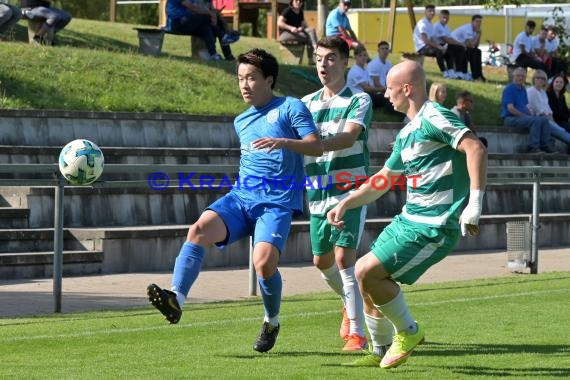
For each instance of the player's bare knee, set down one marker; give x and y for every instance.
(325, 261)
(360, 271)
(196, 234)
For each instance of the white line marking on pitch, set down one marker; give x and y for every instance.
(229, 321)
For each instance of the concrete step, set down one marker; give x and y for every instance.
(58, 127)
(92, 207)
(21, 265)
(11, 217)
(501, 139)
(131, 129)
(227, 156)
(33, 240)
(154, 248)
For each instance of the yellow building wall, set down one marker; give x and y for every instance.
(372, 27)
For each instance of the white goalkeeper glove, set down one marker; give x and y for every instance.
(472, 212)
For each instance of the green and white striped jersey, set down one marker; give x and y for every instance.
(340, 166)
(427, 147)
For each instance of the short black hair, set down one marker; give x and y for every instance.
(463, 94)
(430, 6)
(475, 17)
(444, 12)
(335, 43)
(383, 43)
(263, 61)
(531, 24)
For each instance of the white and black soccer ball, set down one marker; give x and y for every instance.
(81, 162)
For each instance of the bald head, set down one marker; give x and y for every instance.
(411, 72)
(406, 84)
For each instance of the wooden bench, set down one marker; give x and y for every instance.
(34, 25)
(413, 57)
(151, 40)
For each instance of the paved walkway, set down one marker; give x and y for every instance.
(35, 297)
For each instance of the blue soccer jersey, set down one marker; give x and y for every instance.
(276, 176)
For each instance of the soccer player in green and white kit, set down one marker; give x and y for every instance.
(342, 116)
(448, 164)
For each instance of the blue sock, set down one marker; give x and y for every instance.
(271, 293)
(187, 267)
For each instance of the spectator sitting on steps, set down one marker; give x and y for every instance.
(515, 113)
(55, 19)
(9, 16)
(463, 108)
(190, 18)
(293, 27)
(557, 101)
(538, 105)
(438, 93)
(378, 71)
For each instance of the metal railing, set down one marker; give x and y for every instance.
(535, 175)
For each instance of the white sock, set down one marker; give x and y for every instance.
(273, 321)
(180, 298)
(332, 277)
(398, 313)
(381, 332)
(352, 301)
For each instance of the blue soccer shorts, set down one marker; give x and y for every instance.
(267, 222)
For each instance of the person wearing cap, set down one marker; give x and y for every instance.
(338, 25)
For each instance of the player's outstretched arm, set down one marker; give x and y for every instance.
(344, 139)
(477, 168)
(310, 145)
(366, 193)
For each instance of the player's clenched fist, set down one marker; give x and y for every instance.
(334, 217)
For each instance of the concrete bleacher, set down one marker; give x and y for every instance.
(138, 229)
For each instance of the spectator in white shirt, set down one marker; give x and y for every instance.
(559, 65)
(470, 35)
(538, 105)
(522, 49)
(378, 71)
(455, 54)
(539, 49)
(424, 42)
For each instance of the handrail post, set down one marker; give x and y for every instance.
(58, 247)
(252, 274)
(535, 223)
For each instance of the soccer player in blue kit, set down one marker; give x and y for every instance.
(274, 133)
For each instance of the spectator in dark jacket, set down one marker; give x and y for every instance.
(9, 15)
(557, 101)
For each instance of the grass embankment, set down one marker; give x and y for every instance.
(96, 67)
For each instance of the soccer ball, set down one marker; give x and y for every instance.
(81, 162)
